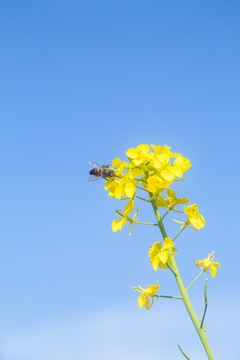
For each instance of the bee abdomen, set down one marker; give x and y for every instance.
(95, 172)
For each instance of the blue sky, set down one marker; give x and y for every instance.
(84, 81)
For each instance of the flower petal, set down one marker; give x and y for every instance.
(143, 300)
(144, 149)
(132, 153)
(129, 207)
(118, 224)
(129, 190)
(168, 243)
(116, 163)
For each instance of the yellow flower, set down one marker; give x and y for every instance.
(121, 187)
(194, 218)
(155, 166)
(173, 200)
(164, 150)
(150, 291)
(159, 161)
(118, 224)
(138, 156)
(156, 185)
(208, 265)
(120, 166)
(135, 173)
(123, 184)
(181, 164)
(159, 254)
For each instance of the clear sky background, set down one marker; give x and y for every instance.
(87, 80)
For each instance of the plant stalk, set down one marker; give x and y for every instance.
(182, 288)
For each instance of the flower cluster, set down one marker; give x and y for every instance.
(153, 169)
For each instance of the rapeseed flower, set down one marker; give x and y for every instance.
(208, 265)
(194, 218)
(156, 185)
(120, 166)
(138, 156)
(124, 184)
(154, 167)
(181, 164)
(172, 200)
(150, 291)
(121, 187)
(159, 254)
(118, 224)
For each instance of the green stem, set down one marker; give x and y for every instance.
(144, 223)
(206, 304)
(171, 269)
(182, 288)
(168, 297)
(204, 328)
(179, 233)
(139, 187)
(166, 213)
(195, 280)
(183, 353)
(139, 197)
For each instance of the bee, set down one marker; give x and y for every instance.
(98, 171)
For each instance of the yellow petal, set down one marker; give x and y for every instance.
(131, 227)
(156, 163)
(171, 194)
(191, 210)
(136, 173)
(118, 224)
(167, 175)
(129, 207)
(199, 262)
(216, 264)
(151, 290)
(163, 256)
(143, 300)
(155, 262)
(132, 153)
(137, 162)
(206, 263)
(162, 202)
(213, 271)
(118, 192)
(198, 221)
(182, 201)
(129, 189)
(168, 243)
(182, 163)
(116, 163)
(144, 149)
(177, 171)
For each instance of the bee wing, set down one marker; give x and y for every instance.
(94, 165)
(93, 178)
